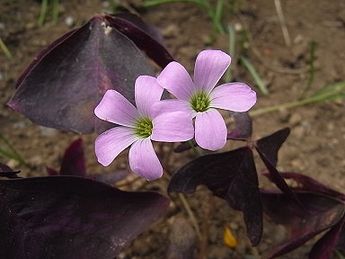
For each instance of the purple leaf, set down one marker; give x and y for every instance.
(62, 86)
(71, 217)
(243, 126)
(268, 148)
(325, 246)
(270, 145)
(275, 176)
(306, 183)
(73, 161)
(51, 171)
(142, 35)
(110, 178)
(6, 171)
(318, 213)
(231, 176)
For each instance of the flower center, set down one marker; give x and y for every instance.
(200, 102)
(143, 127)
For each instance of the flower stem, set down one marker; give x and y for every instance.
(190, 214)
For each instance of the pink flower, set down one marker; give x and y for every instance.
(139, 125)
(200, 97)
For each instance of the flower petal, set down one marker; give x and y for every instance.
(144, 161)
(147, 92)
(112, 142)
(237, 97)
(173, 127)
(210, 66)
(172, 105)
(177, 81)
(115, 108)
(210, 130)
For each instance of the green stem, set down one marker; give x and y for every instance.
(289, 105)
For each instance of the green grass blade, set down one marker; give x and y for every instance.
(232, 51)
(55, 11)
(251, 69)
(218, 15)
(43, 12)
(328, 93)
(311, 67)
(151, 3)
(5, 50)
(11, 153)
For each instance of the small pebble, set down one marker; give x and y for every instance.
(69, 21)
(48, 132)
(170, 31)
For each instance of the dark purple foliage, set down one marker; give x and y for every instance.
(71, 217)
(144, 36)
(6, 171)
(64, 83)
(268, 148)
(325, 246)
(73, 163)
(322, 209)
(231, 176)
(270, 145)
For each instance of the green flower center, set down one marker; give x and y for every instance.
(143, 127)
(200, 102)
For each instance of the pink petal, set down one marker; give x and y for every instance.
(237, 97)
(173, 127)
(210, 130)
(112, 142)
(117, 109)
(177, 81)
(172, 105)
(144, 161)
(147, 92)
(210, 66)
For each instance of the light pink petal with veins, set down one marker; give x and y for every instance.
(210, 130)
(112, 142)
(210, 65)
(115, 108)
(177, 81)
(172, 127)
(144, 161)
(172, 105)
(237, 97)
(147, 92)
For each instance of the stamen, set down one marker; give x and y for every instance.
(200, 102)
(143, 127)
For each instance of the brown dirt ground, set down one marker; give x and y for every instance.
(315, 147)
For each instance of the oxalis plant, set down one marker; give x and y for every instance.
(98, 78)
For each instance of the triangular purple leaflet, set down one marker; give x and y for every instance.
(231, 176)
(317, 214)
(62, 86)
(326, 245)
(71, 217)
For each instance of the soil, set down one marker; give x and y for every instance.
(315, 146)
